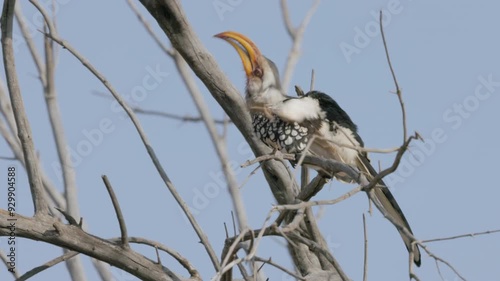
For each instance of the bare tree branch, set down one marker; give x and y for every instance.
(184, 118)
(471, 235)
(6, 111)
(55, 198)
(118, 211)
(66, 256)
(398, 90)
(75, 239)
(6, 261)
(316, 236)
(449, 265)
(365, 262)
(103, 269)
(312, 188)
(37, 59)
(277, 155)
(23, 126)
(167, 50)
(178, 257)
(286, 18)
(296, 34)
(270, 262)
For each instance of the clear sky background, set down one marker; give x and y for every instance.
(444, 53)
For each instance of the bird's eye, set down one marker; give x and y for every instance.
(257, 72)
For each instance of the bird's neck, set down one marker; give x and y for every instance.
(262, 103)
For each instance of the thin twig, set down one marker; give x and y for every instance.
(312, 188)
(398, 90)
(394, 165)
(158, 259)
(244, 272)
(6, 111)
(469, 235)
(432, 255)
(287, 20)
(71, 220)
(319, 202)
(244, 182)
(147, 26)
(228, 257)
(185, 118)
(365, 261)
(270, 262)
(273, 156)
(178, 257)
(185, 208)
(118, 212)
(439, 270)
(66, 256)
(8, 158)
(313, 76)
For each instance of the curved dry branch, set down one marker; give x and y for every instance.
(23, 126)
(178, 257)
(66, 256)
(118, 211)
(75, 239)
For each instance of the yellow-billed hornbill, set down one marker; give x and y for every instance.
(288, 123)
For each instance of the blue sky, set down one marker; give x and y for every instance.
(445, 55)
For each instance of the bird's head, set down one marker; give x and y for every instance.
(263, 86)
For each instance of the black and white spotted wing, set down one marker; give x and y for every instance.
(283, 136)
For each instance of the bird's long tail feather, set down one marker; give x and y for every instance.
(384, 196)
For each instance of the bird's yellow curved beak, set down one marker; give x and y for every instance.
(247, 50)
